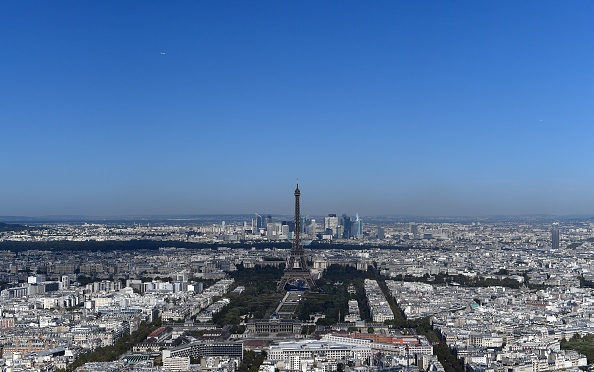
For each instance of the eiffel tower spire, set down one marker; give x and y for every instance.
(297, 275)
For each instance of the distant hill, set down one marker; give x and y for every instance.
(11, 227)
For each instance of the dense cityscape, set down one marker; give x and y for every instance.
(296, 186)
(230, 296)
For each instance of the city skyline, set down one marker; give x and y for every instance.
(404, 108)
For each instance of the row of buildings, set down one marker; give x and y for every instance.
(499, 328)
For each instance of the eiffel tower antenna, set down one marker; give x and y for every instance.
(296, 275)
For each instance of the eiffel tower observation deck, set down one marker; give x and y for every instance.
(297, 276)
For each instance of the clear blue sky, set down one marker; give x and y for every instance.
(382, 107)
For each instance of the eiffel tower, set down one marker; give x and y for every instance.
(297, 275)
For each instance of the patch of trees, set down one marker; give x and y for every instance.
(332, 298)
(11, 227)
(345, 273)
(238, 329)
(586, 283)
(121, 346)
(84, 280)
(463, 280)
(583, 345)
(147, 244)
(130, 245)
(321, 245)
(329, 305)
(258, 300)
(251, 361)
(446, 357)
(308, 329)
(263, 278)
(272, 258)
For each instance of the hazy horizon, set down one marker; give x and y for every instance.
(277, 216)
(396, 108)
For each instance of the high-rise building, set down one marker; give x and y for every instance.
(357, 227)
(339, 231)
(312, 228)
(284, 233)
(257, 223)
(555, 236)
(331, 224)
(273, 230)
(381, 233)
(304, 223)
(346, 223)
(414, 229)
(65, 282)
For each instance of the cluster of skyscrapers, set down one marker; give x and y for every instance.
(344, 227)
(333, 227)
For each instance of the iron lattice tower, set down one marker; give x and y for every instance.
(297, 273)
